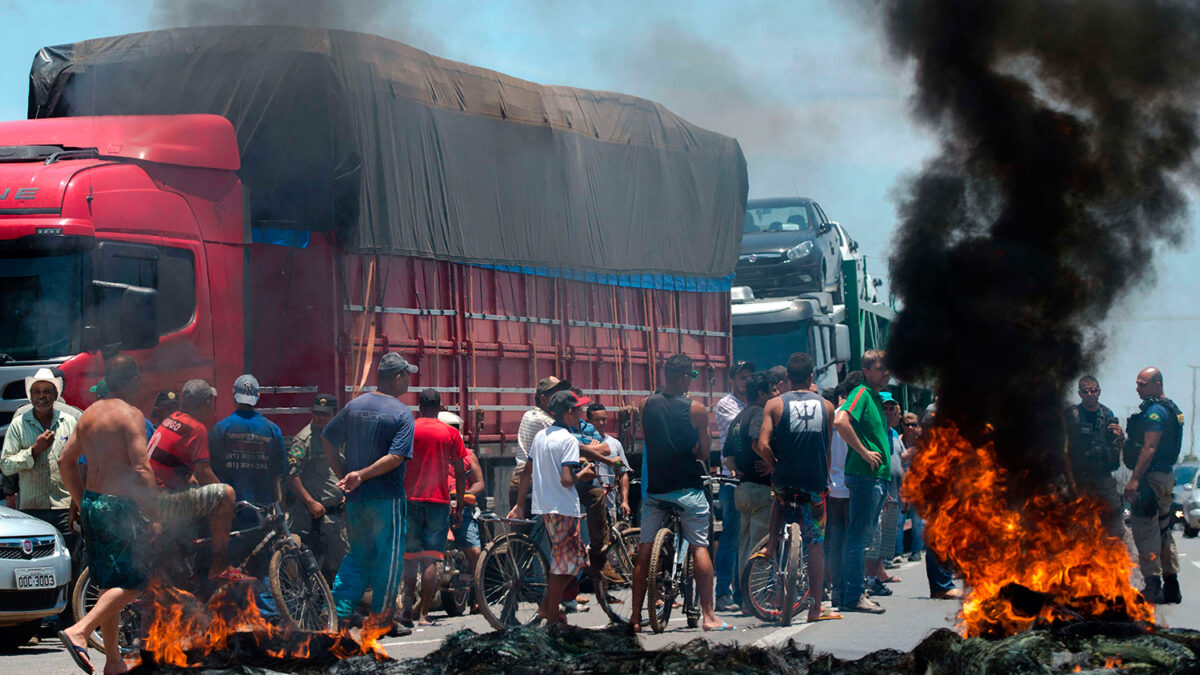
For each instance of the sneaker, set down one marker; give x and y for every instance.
(864, 605)
(879, 588)
(1153, 592)
(915, 557)
(725, 603)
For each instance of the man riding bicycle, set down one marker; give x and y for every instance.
(795, 442)
(178, 453)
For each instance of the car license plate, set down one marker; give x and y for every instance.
(35, 577)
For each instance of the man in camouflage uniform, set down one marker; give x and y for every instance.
(1094, 441)
(317, 511)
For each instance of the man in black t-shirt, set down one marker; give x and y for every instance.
(753, 495)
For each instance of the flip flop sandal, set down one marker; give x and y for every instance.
(827, 614)
(78, 654)
(725, 625)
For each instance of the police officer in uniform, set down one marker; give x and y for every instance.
(1155, 436)
(316, 514)
(1094, 439)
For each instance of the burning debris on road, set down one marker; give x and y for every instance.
(1082, 647)
(1067, 130)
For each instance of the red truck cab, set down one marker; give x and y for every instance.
(105, 221)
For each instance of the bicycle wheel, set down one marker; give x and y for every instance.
(691, 593)
(83, 598)
(759, 588)
(301, 594)
(510, 581)
(660, 586)
(616, 599)
(456, 598)
(790, 572)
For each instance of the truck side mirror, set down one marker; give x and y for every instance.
(824, 228)
(139, 318)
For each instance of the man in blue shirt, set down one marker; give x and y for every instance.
(247, 449)
(377, 431)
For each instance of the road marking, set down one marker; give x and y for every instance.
(780, 636)
(1196, 563)
(399, 642)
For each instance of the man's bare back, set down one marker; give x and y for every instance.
(111, 434)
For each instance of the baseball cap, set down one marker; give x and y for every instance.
(549, 385)
(740, 366)
(446, 417)
(563, 401)
(394, 364)
(429, 398)
(196, 392)
(245, 390)
(886, 397)
(166, 398)
(325, 403)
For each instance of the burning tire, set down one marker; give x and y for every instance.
(301, 593)
(84, 597)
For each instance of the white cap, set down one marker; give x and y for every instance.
(43, 375)
(446, 417)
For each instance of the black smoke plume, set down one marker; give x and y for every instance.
(1068, 131)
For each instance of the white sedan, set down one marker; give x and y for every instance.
(35, 576)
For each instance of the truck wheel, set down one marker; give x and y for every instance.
(14, 637)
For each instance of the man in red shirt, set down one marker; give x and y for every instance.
(178, 454)
(436, 447)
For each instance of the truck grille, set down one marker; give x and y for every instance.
(12, 548)
(31, 601)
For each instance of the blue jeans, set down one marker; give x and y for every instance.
(918, 528)
(377, 533)
(867, 495)
(727, 546)
(940, 580)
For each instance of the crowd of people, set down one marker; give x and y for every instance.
(378, 495)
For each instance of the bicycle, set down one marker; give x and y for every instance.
(761, 576)
(512, 572)
(302, 596)
(672, 567)
(622, 556)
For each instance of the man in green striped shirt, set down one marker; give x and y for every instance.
(862, 424)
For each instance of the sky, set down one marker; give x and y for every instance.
(807, 87)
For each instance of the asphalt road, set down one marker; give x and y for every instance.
(910, 616)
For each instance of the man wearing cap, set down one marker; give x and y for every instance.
(436, 448)
(9, 483)
(32, 447)
(377, 431)
(555, 468)
(728, 554)
(165, 403)
(534, 420)
(178, 453)
(316, 513)
(247, 448)
(673, 466)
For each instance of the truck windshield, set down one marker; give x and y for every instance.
(40, 306)
(769, 344)
(778, 219)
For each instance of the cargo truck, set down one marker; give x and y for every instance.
(295, 202)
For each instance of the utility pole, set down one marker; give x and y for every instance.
(1192, 447)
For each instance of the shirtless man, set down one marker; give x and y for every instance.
(111, 434)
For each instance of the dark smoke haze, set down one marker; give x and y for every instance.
(1067, 129)
(380, 17)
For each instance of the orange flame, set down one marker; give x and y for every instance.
(1047, 544)
(183, 631)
